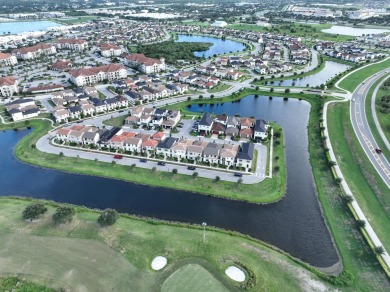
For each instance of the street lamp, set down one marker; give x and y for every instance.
(204, 224)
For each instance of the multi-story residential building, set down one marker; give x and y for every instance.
(7, 60)
(30, 53)
(22, 109)
(72, 44)
(260, 130)
(88, 76)
(145, 64)
(8, 86)
(245, 155)
(109, 50)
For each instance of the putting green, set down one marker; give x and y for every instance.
(192, 277)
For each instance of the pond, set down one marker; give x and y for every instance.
(330, 70)
(219, 46)
(295, 224)
(25, 26)
(353, 31)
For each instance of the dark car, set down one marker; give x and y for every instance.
(118, 156)
(162, 163)
(191, 167)
(378, 150)
(143, 160)
(238, 174)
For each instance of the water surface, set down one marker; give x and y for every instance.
(219, 46)
(16, 27)
(353, 31)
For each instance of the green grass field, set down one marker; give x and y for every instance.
(81, 256)
(384, 119)
(355, 79)
(368, 188)
(116, 122)
(312, 31)
(76, 19)
(192, 278)
(219, 88)
(18, 284)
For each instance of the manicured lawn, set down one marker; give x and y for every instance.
(83, 256)
(219, 88)
(370, 191)
(116, 122)
(76, 19)
(355, 79)
(384, 119)
(269, 190)
(295, 29)
(192, 277)
(16, 284)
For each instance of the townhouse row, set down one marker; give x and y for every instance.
(161, 146)
(152, 117)
(21, 109)
(231, 126)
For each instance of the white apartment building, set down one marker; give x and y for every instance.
(8, 86)
(110, 50)
(72, 44)
(30, 53)
(145, 64)
(88, 76)
(7, 60)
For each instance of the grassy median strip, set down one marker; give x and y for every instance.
(82, 254)
(355, 79)
(383, 119)
(368, 188)
(270, 190)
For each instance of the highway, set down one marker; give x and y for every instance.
(362, 129)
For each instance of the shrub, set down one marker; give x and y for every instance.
(217, 178)
(63, 214)
(174, 171)
(108, 217)
(33, 211)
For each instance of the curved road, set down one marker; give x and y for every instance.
(362, 129)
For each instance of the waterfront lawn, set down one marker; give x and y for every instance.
(116, 122)
(219, 88)
(82, 255)
(356, 78)
(383, 119)
(370, 191)
(269, 190)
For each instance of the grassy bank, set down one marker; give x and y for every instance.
(270, 190)
(383, 119)
(355, 79)
(82, 255)
(368, 188)
(219, 88)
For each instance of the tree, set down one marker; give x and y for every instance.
(63, 214)
(239, 181)
(360, 223)
(271, 89)
(287, 90)
(195, 174)
(174, 171)
(33, 211)
(217, 178)
(153, 169)
(379, 250)
(108, 217)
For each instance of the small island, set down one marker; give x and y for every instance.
(174, 51)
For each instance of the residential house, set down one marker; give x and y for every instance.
(245, 155)
(205, 123)
(8, 86)
(88, 76)
(260, 130)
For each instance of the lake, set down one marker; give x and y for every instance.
(330, 70)
(25, 26)
(295, 224)
(219, 46)
(353, 31)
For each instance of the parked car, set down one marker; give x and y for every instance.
(118, 156)
(143, 160)
(191, 167)
(162, 163)
(378, 150)
(238, 174)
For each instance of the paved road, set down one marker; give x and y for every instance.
(362, 129)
